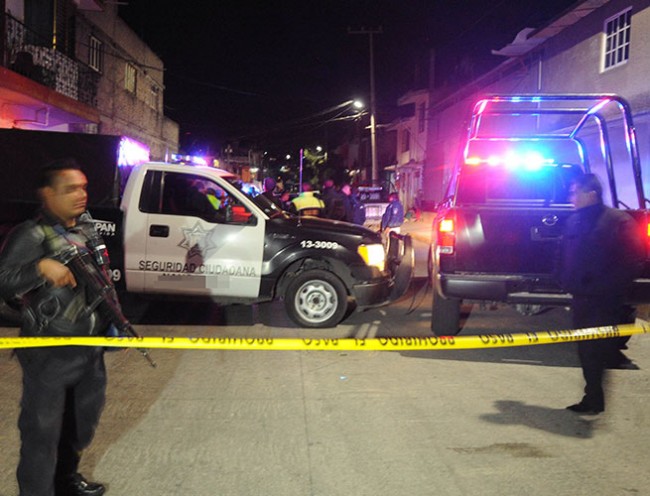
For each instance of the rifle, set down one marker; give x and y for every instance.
(89, 269)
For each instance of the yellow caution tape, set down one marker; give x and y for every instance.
(347, 344)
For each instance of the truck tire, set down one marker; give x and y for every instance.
(445, 316)
(316, 299)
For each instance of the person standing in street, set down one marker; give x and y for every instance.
(355, 211)
(602, 253)
(307, 203)
(269, 186)
(327, 193)
(393, 217)
(63, 387)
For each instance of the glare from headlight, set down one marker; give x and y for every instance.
(373, 255)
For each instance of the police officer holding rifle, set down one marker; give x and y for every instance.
(63, 387)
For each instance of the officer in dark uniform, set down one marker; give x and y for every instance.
(602, 254)
(63, 387)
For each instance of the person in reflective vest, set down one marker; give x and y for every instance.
(307, 202)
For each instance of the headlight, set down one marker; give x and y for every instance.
(373, 255)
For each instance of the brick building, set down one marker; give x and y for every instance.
(75, 66)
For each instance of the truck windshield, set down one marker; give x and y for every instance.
(252, 192)
(547, 185)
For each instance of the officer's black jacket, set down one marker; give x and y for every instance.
(43, 306)
(602, 252)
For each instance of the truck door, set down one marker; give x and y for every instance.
(203, 239)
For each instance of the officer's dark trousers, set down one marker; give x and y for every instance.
(63, 396)
(595, 354)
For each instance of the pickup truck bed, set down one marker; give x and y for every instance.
(497, 234)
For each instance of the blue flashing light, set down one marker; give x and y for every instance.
(188, 159)
(528, 161)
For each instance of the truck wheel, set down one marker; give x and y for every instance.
(445, 316)
(316, 298)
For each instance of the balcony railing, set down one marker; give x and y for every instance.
(26, 53)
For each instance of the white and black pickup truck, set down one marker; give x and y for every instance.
(168, 238)
(497, 233)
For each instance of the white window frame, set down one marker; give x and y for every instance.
(617, 32)
(130, 77)
(95, 53)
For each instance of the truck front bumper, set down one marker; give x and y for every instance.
(400, 260)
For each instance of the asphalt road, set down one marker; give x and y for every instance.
(326, 423)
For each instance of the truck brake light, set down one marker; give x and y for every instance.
(446, 235)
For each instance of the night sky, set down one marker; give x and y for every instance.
(242, 69)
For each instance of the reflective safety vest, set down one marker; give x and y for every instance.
(214, 201)
(306, 203)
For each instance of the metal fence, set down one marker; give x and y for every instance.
(28, 54)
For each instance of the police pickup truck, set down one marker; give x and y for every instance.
(497, 232)
(196, 232)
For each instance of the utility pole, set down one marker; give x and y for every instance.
(373, 109)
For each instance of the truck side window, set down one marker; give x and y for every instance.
(192, 195)
(184, 194)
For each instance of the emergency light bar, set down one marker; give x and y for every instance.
(530, 161)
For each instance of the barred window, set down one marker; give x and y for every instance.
(617, 39)
(130, 78)
(95, 54)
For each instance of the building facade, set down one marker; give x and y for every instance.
(411, 147)
(597, 46)
(75, 66)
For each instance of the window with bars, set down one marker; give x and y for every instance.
(95, 54)
(617, 39)
(130, 78)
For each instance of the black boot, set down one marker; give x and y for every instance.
(77, 485)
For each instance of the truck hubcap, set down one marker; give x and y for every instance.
(316, 301)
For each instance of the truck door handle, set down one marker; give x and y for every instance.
(158, 231)
(540, 234)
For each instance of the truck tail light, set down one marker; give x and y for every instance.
(446, 235)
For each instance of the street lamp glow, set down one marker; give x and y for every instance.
(358, 104)
(288, 157)
(319, 149)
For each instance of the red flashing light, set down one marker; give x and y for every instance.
(446, 235)
(447, 226)
(528, 161)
